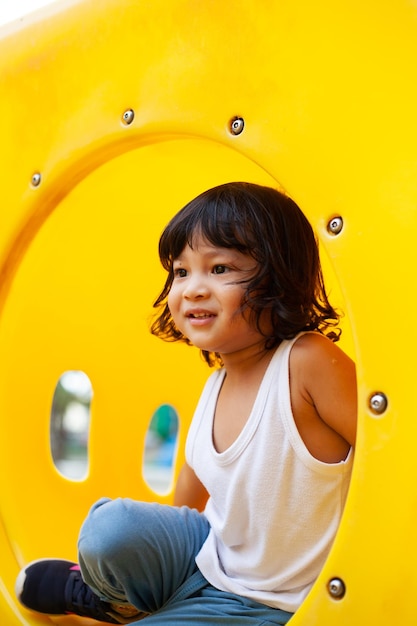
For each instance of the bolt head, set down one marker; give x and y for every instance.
(336, 588)
(335, 226)
(237, 124)
(36, 179)
(378, 403)
(128, 117)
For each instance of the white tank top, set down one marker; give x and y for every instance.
(273, 509)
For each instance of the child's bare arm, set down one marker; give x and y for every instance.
(329, 382)
(189, 490)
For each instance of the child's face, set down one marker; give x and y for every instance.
(205, 298)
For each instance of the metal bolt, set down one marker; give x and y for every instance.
(378, 403)
(237, 124)
(128, 117)
(336, 588)
(36, 179)
(335, 226)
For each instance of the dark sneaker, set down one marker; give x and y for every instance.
(55, 587)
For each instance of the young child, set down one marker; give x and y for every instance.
(269, 451)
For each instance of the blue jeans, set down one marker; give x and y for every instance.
(144, 553)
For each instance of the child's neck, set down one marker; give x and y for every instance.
(247, 363)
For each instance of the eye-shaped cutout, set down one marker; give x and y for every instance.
(160, 449)
(70, 423)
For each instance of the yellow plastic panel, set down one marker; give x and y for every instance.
(328, 101)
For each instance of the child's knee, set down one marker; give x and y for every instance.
(103, 532)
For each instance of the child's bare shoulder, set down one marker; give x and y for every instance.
(313, 349)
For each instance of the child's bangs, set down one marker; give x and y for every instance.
(215, 222)
(221, 226)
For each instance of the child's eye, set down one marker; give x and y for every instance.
(220, 269)
(180, 272)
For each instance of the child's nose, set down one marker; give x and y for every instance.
(196, 288)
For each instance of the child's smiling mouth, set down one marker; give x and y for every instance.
(199, 315)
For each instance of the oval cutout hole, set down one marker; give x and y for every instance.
(70, 423)
(160, 449)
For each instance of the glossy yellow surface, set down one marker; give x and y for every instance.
(328, 96)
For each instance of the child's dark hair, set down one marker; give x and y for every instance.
(269, 226)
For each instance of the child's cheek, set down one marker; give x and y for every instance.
(173, 302)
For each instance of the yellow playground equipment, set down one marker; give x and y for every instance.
(113, 114)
